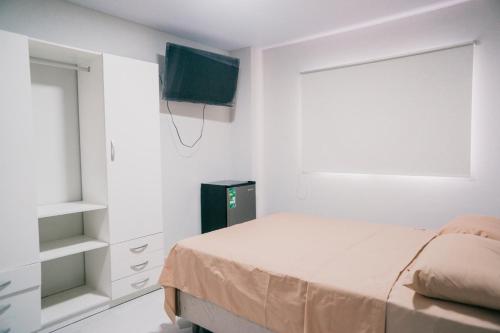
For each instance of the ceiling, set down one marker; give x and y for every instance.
(233, 24)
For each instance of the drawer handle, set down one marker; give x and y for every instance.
(140, 284)
(4, 308)
(5, 285)
(5, 331)
(140, 267)
(139, 249)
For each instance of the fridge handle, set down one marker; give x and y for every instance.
(112, 145)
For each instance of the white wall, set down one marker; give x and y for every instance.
(418, 201)
(217, 157)
(244, 123)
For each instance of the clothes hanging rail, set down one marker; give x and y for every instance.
(58, 64)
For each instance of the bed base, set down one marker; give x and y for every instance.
(208, 317)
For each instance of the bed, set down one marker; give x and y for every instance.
(297, 273)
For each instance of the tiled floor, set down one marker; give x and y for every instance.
(142, 315)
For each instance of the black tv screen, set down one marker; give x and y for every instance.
(197, 76)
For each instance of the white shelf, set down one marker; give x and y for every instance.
(67, 208)
(68, 246)
(67, 304)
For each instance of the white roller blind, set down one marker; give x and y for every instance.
(409, 115)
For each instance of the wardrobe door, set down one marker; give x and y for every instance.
(18, 219)
(133, 143)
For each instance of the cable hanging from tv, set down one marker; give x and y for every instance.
(179, 134)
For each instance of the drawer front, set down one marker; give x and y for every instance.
(135, 263)
(19, 279)
(21, 312)
(137, 246)
(134, 283)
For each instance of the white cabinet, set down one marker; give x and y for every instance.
(20, 312)
(137, 283)
(131, 102)
(107, 189)
(20, 299)
(136, 256)
(18, 220)
(14, 281)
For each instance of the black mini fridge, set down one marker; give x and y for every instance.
(225, 203)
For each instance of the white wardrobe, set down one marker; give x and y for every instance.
(80, 220)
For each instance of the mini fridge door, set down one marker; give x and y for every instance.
(240, 204)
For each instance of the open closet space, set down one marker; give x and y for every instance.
(71, 180)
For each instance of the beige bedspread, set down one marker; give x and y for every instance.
(296, 273)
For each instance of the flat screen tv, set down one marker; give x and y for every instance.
(197, 76)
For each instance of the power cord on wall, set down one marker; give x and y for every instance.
(177, 129)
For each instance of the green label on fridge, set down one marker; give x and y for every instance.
(232, 197)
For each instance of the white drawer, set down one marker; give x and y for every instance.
(19, 279)
(135, 263)
(20, 313)
(134, 283)
(137, 246)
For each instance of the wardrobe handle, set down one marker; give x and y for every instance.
(4, 308)
(140, 267)
(139, 248)
(5, 285)
(140, 284)
(112, 151)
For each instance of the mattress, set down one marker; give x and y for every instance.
(295, 273)
(407, 312)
